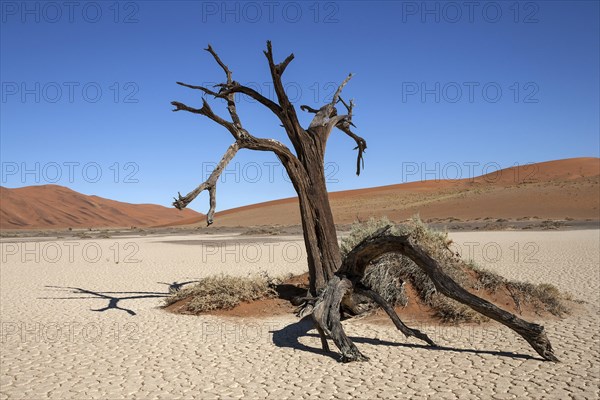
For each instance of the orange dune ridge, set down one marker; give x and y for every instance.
(55, 207)
(549, 190)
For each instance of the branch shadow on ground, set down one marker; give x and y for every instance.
(176, 286)
(288, 337)
(113, 301)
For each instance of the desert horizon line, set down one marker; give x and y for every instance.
(530, 174)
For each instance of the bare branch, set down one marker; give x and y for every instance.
(212, 193)
(287, 158)
(279, 68)
(326, 118)
(205, 90)
(228, 90)
(227, 96)
(237, 132)
(271, 145)
(349, 107)
(309, 109)
(282, 66)
(276, 72)
(218, 60)
(182, 107)
(231, 107)
(408, 332)
(339, 90)
(284, 110)
(210, 184)
(327, 115)
(288, 116)
(361, 144)
(235, 87)
(343, 123)
(243, 137)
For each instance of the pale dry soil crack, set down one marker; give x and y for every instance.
(54, 346)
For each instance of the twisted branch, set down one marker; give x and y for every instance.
(210, 184)
(361, 146)
(344, 125)
(380, 242)
(236, 131)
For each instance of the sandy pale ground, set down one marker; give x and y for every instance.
(68, 329)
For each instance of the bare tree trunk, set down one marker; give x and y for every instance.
(320, 237)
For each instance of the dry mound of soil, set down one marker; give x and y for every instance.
(396, 278)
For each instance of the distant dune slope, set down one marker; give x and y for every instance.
(549, 190)
(553, 189)
(54, 207)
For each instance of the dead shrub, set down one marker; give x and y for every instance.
(223, 292)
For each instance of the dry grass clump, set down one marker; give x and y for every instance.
(543, 297)
(386, 279)
(551, 225)
(360, 230)
(223, 292)
(486, 279)
(388, 274)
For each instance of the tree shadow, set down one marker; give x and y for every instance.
(289, 336)
(509, 354)
(113, 301)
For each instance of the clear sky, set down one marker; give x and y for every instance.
(442, 90)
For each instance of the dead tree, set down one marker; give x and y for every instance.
(331, 281)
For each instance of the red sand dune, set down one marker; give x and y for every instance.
(55, 207)
(559, 189)
(553, 190)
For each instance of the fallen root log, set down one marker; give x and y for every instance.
(326, 309)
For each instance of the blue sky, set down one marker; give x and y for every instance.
(443, 90)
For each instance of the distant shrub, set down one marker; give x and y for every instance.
(268, 230)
